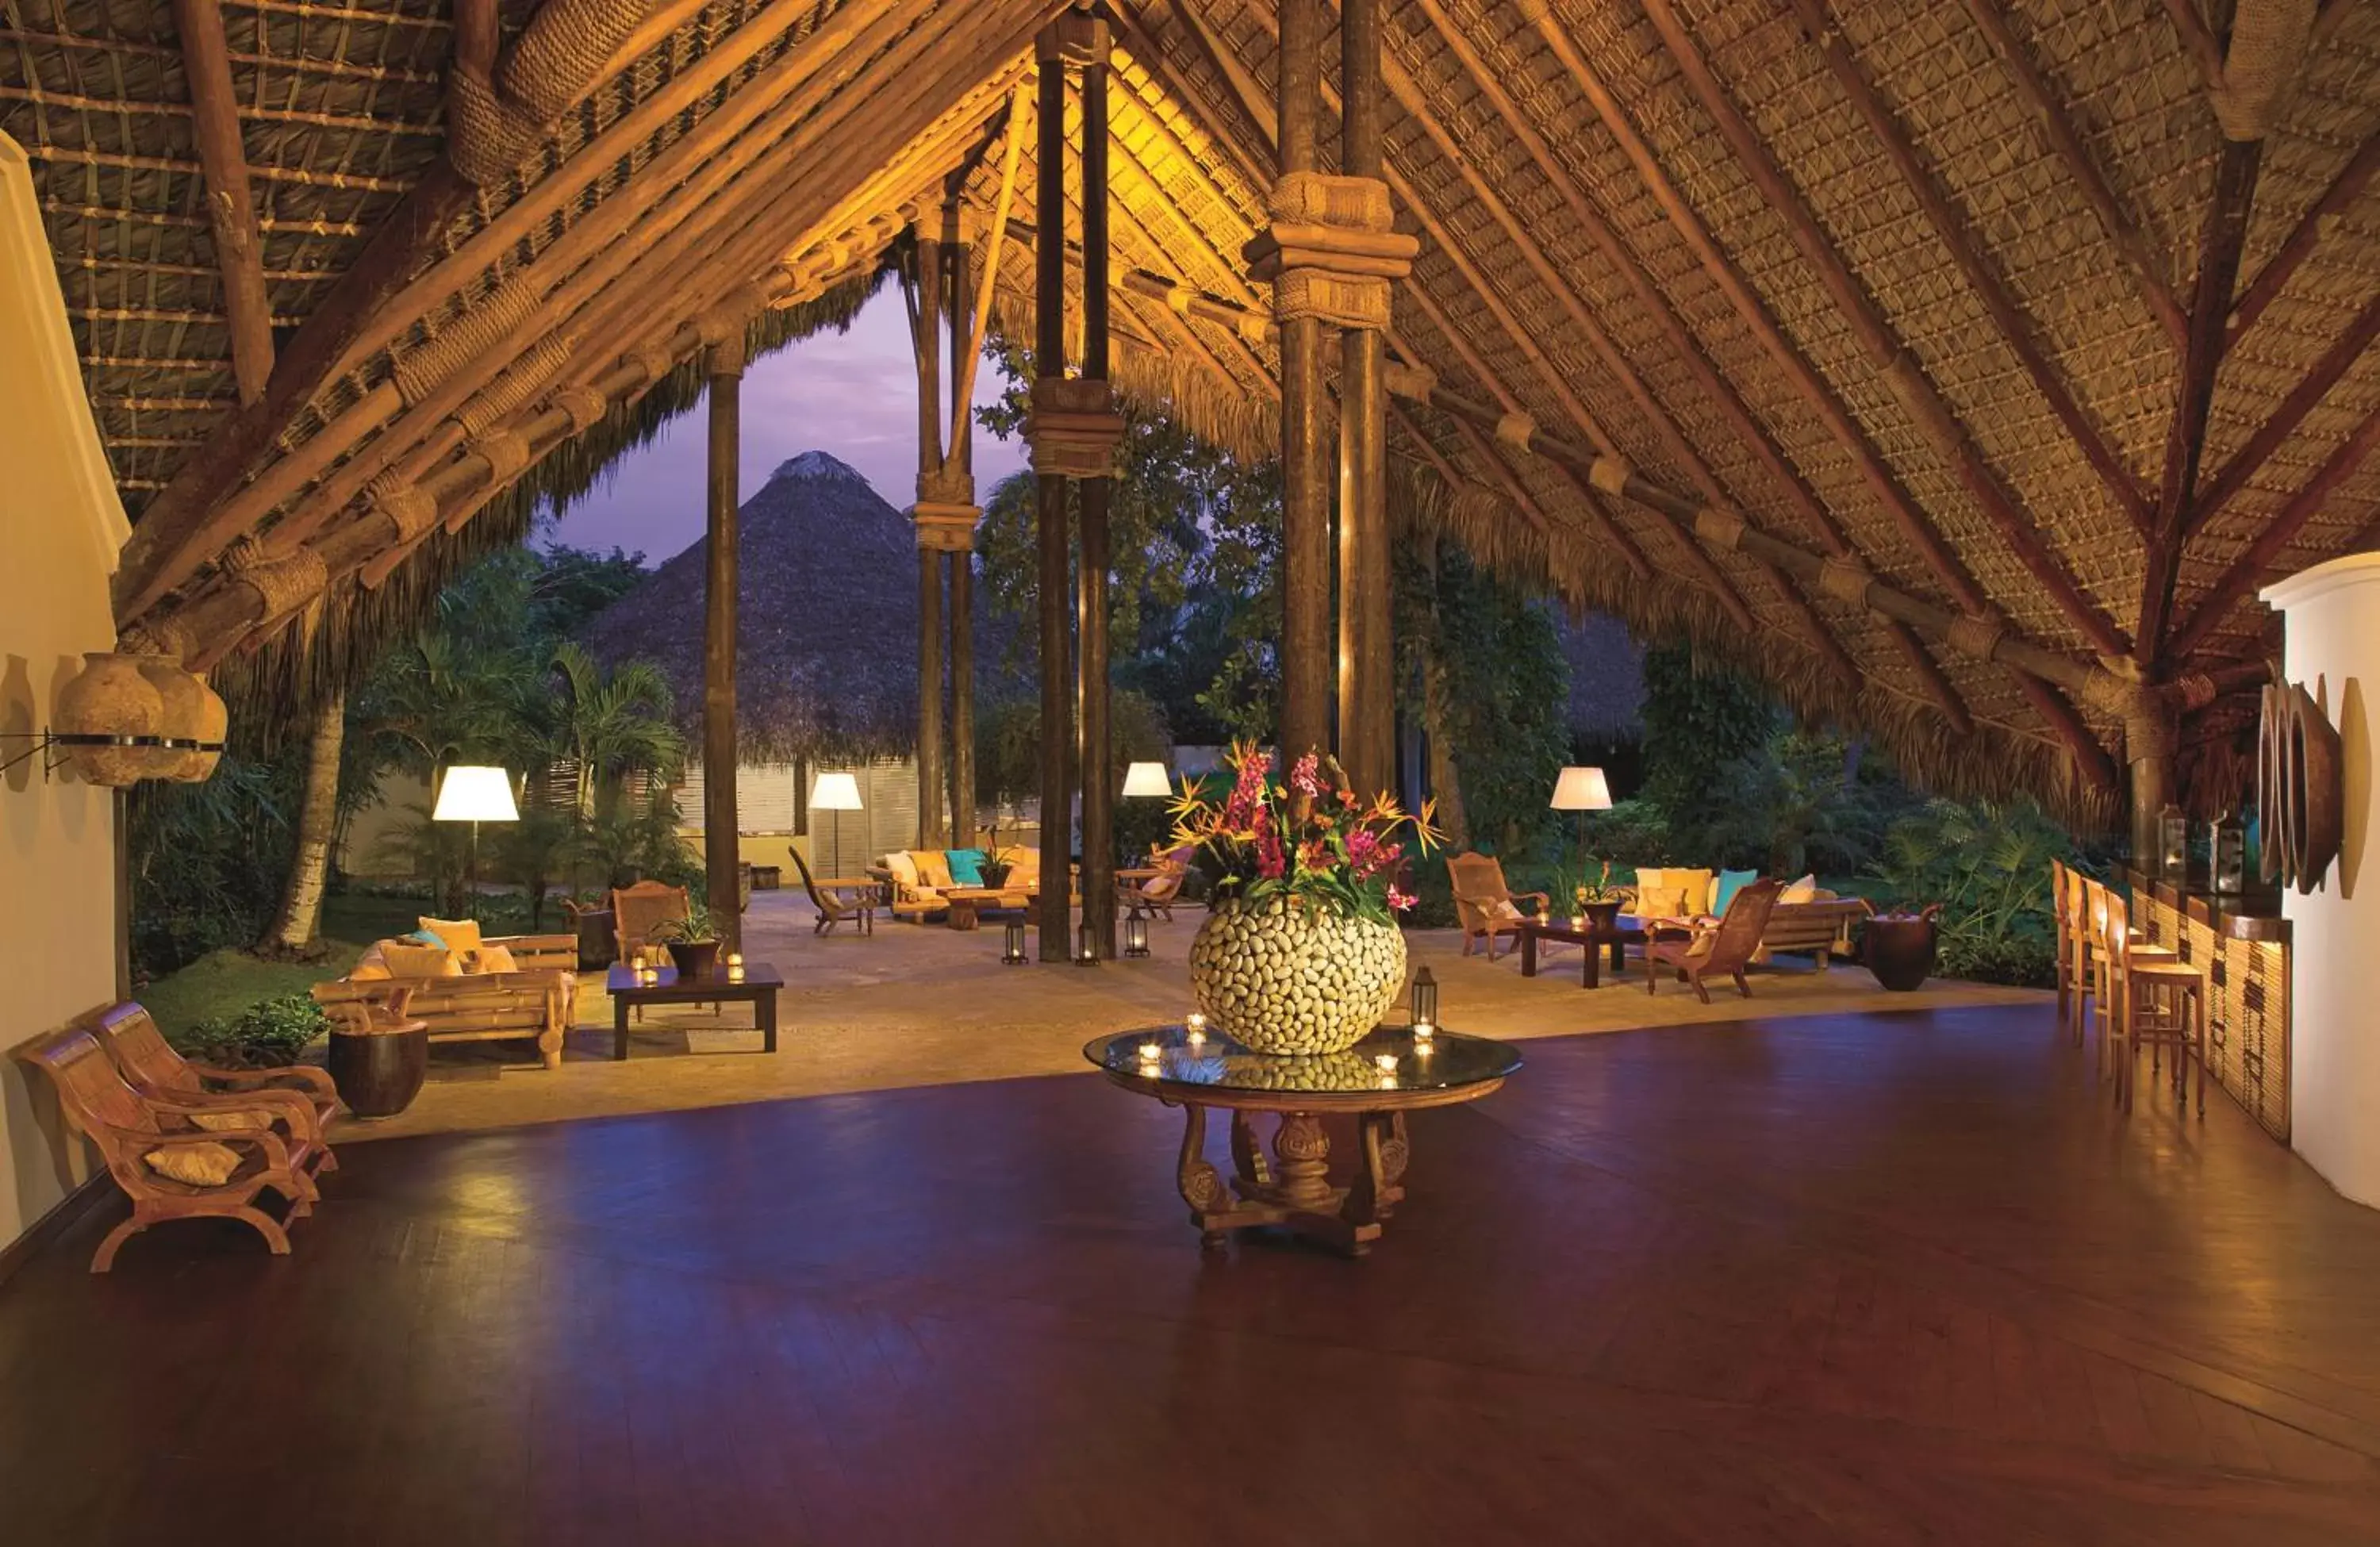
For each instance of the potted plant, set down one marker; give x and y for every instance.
(1299, 952)
(1597, 900)
(693, 940)
(1898, 948)
(997, 861)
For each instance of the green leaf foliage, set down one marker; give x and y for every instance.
(269, 1034)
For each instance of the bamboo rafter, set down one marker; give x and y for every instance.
(2295, 249)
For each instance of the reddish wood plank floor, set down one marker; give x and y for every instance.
(1849, 1280)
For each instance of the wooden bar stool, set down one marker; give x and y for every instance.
(2149, 997)
(2100, 902)
(2070, 907)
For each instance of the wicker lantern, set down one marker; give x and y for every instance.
(108, 713)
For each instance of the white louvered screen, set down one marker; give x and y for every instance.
(764, 798)
(689, 799)
(892, 786)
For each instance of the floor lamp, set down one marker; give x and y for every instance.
(475, 794)
(837, 793)
(1580, 790)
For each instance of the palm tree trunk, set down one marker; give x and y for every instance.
(299, 921)
(1444, 782)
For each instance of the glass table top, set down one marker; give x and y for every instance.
(1448, 1061)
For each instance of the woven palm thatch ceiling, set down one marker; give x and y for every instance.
(1954, 365)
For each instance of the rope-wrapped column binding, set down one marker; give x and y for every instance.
(1332, 250)
(495, 126)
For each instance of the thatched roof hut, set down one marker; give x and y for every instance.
(1958, 368)
(827, 611)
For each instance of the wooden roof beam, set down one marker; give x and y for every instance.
(2246, 570)
(231, 206)
(2048, 112)
(2219, 269)
(1910, 385)
(2197, 41)
(1809, 385)
(2336, 200)
(2285, 417)
(2016, 329)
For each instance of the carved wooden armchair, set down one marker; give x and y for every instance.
(305, 1097)
(143, 1139)
(1697, 948)
(1483, 904)
(1158, 893)
(638, 910)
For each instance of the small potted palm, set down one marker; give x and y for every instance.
(997, 861)
(693, 940)
(1597, 900)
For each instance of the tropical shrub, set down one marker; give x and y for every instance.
(1988, 866)
(207, 859)
(269, 1034)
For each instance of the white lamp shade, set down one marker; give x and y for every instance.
(472, 793)
(1582, 790)
(1145, 778)
(835, 792)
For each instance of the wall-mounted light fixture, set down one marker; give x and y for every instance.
(127, 718)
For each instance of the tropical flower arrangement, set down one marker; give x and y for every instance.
(1309, 840)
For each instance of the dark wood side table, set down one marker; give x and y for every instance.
(1597, 934)
(758, 988)
(1292, 1190)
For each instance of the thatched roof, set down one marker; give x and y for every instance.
(1872, 325)
(826, 664)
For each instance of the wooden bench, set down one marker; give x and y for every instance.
(538, 1002)
(1821, 927)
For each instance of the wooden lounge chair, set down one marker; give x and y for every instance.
(127, 1128)
(1483, 904)
(305, 1097)
(840, 899)
(1158, 893)
(1698, 949)
(637, 910)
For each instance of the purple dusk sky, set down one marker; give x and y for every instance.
(852, 394)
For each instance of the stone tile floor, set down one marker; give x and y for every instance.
(924, 1005)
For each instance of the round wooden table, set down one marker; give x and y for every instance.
(1292, 1191)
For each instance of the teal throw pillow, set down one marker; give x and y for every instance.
(424, 937)
(1729, 884)
(966, 866)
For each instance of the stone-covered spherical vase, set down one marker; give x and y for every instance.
(110, 696)
(1276, 978)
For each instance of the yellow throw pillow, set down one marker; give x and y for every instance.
(1692, 889)
(933, 869)
(367, 972)
(1023, 865)
(418, 961)
(194, 1165)
(459, 935)
(230, 1122)
(1651, 900)
(491, 958)
(1801, 891)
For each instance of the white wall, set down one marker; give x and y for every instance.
(2334, 635)
(62, 527)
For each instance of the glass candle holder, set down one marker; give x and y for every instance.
(1386, 1063)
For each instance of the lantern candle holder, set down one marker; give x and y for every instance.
(735, 960)
(1194, 1030)
(2173, 846)
(1136, 935)
(1424, 998)
(1086, 951)
(2227, 855)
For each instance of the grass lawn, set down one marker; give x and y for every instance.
(228, 982)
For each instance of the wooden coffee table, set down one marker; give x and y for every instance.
(1597, 934)
(1292, 1191)
(967, 903)
(758, 988)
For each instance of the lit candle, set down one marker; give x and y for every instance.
(1195, 1037)
(1386, 1063)
(1578, 920)
(1197, 1024)
(734, 958)
(1151, 1053)
(1424, 1031)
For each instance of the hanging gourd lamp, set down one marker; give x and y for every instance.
(109, 716)
(182, 705)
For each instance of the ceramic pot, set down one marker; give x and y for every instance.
(111, 696)
(1276, 979)
(694, 958)
(378, 1072)
(1899, 949)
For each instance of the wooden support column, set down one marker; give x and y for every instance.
(1305, 493)
(1100, 784)
(926, 325)
(723, 367)
(1050, 488)
(1366, 688)
(960, 562)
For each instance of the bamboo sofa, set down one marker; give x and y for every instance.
(1805, 918)
(537, 1001)
(919, 880)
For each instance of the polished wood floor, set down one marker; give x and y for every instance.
(1830, 1280)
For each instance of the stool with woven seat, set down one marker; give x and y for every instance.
(2148, 997)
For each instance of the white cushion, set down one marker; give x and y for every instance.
(1801, 891)
(904, 869)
